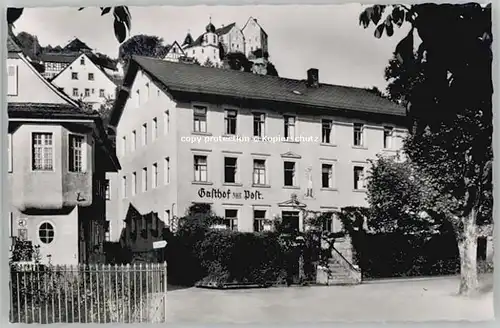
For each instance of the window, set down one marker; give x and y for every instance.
(326, 131)
(82, 61)
(155, 129)
(91, 76)
(328, 223)
(46, 233)
(138, 98)
(42, 152)
(215, 39)
(145, 179)
(87, 92)
(166, 217)
(124, 145)
(134, 141)
(9, 151)
(166, 122)
(166, 172)
(74, 76)
(359, 177)
(76, 153)
(258, 124)
(155, 175)
(200, 119)
(358, 134)
(289, 168)
(107, 191)
(230, 169)
(134, 183)
(259, 172)
(93, 90)
(12, 80)
(230, 121)
(124, 187)
(75, 92)
(290, 221)
(147, 92)
(388, 133)
(290, 127)
(231, 219)
(259, 219)
(101, 93)
(200, 168)
(327, 175)
(144, 134)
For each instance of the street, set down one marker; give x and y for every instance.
(420, 299)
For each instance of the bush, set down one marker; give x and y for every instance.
(242, 258)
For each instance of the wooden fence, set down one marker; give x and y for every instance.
(88, 294)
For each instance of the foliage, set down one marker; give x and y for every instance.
(25, 251)
(30, 45)
(401, 198)
(208, 63)
(121, 25)
(450, 108)
(142, 45)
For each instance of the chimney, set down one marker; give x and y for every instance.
(313, 77)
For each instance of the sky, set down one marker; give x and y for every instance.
(326, 37)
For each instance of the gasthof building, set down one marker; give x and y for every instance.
(254, 147)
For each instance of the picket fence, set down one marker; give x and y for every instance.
(88, 293)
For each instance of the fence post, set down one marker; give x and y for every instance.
(140, 293)
(165, 291)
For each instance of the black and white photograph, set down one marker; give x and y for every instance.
(252, 164)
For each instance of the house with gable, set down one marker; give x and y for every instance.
(84, 79)
(255, 37)
(175, 52)
(58, 156)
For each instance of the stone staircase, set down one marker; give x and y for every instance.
(339, 271)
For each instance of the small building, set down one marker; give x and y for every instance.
(244, 143)
(58, 155)
(87, 79)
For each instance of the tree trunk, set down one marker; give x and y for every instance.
(467, 246)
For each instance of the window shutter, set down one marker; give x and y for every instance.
(12, 82)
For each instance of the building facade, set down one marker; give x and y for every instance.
(84, 80)
(231, 38)
(254, 147)
(58, 156)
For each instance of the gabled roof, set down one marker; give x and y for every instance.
(193, 79)
(12, 45)
(58, 57)
(70, 56)
(220, 31)
(223, 30)
(256, 22)
(76, 45)
(92, 58)
(174, 45)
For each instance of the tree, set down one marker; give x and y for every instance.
(121, 25)
(142, 45)
(30, 44)
(450, 110)
(401, 198)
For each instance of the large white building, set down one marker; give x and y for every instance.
(287, 143)
(232, 39)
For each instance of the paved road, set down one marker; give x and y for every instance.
(399, 300)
